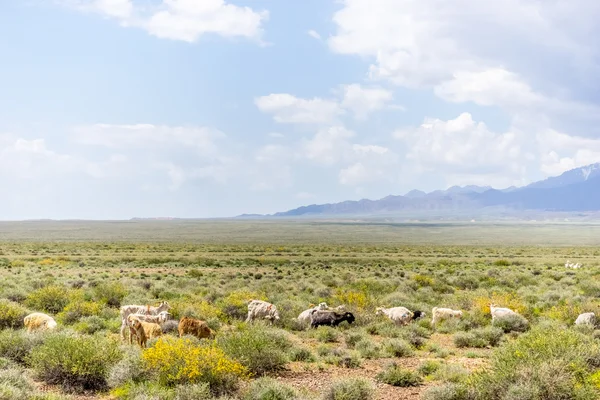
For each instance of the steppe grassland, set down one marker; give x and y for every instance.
(80, 272)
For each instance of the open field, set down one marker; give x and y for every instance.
(80, 272)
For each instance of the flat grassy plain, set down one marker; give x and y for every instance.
(80, 272)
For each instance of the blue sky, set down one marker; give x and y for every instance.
(212, 108)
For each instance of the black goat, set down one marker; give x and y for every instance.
(329, 318)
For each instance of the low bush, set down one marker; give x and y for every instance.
(129, 369)
(301, 354)
(199, 391)
(144, 391)
(110, 294)
(551, 359)
(428, 367)
(479, 338)
(397, 376)
(327, 334)
(182, 361)
(259, 348)
(350, 389)
(74, 311)
(368, 349)
(450, 391)
(270, 389)
(14, 385)
(398, 348)
(11, 314)
(76, 363)
(512, 323)
(50, 299)
(16, 345)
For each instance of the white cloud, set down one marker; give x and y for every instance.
(467, 151)
(184, 20)
(314, 34)
(469, 50)
(363, 101)
(561, 152)
(293, 110)
(329, 146)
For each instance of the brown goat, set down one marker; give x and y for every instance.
(195, 327)
(136, 329)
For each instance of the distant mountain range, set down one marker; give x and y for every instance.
(577, 190)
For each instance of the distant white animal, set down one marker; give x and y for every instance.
(439, 314)
(572, 265)
(258, 309)
(400, 315)
(39, 322)
(500, 312)
(304, 316)
(588, 318)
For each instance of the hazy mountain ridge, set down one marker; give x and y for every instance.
(574, 190)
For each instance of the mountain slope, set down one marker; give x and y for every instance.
(574, 190)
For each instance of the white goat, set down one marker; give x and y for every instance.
(500, 312)
(258, 309)
(439, 314)
(588, 318)
(38, 322)
(125, 311)
(400, 315)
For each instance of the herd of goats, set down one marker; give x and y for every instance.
(144, 322)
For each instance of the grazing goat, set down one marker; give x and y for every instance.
(159, 319)
(150, 330)
(400, 315)
(588, 318)
(572, 265)
(195, 327)
(500, 312)
(39, 322)
(136, 329)
(439, 314)
(137, 309)
(258, 309)
(329, 318)
(304, 317)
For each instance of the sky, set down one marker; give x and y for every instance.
(112, 109)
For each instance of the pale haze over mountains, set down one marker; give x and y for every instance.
(573, 191)
(113, 109)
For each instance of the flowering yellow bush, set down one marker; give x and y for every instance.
(354, 299)
(178, 361)
(198, 308)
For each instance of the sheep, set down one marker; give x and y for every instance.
(150, 330)
(329, 318)
(400, 315)
(195, 327)
(38, 322)
(137, 309)
(258, 309)
(159, 319)
(588, 318)
(572, 265)
(136, 329)
(439, 314)
(499, 312)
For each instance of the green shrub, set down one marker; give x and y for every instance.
(448, 391)
(451, 373)
(50, 299)
(352, 338)
(14, 385)
(90, 325)
(261, 349)
(129, 369)
(327, 334)
(76, 362)
(301, 354)
(199, 391)
(428, 367)
(74, 311)
(510, 323)
(368, 349)
(398, 348)
(11, 314)
(479, 338)
(350, 389)
(16, 345)
(143, 391)
(270, 389)
(550, 358)
(397, 376)
(110, 294)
